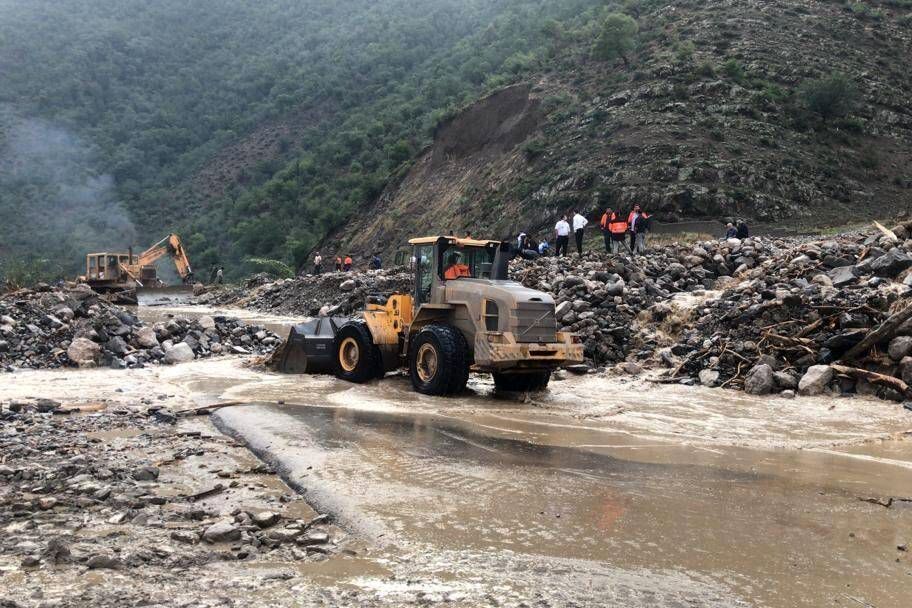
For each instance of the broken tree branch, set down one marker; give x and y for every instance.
(874, 378)
(883, 332)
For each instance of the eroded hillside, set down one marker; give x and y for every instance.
(711, 119)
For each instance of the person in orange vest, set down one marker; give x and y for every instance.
(455, 268)
(615, 227)
(347, 264)
(638, 223)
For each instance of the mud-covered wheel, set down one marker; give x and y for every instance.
(439, 360)
(530, 381)
(356, 356)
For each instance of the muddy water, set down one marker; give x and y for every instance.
(601, 491)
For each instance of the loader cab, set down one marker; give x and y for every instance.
(439, 259)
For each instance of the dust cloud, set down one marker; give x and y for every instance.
(53, 201)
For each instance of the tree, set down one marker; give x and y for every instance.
(616, 38)
(830, 97)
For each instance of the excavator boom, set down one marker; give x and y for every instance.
(170, 245)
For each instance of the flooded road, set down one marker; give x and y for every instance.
(603, 490)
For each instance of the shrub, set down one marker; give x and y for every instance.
(830, 97)
(734, 70)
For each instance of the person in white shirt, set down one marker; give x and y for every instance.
(318, 263)
(562, 230)
(579, 225)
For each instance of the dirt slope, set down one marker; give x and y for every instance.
(707, 122)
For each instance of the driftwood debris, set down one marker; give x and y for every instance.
(884, 331)
(206, 409)
(874, 378)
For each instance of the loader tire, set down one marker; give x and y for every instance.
(356, 356)
(439, 360)
(533, 381)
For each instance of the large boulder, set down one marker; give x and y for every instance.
(179, 353)
(815, 380)
(83, 352)
(144, 337)
(899, 347)
(891, 263)
(222, 532)
(759, 380)
(843, 275)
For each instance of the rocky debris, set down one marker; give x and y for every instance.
(49, 328)
(801, 306)
(603, 298)
(332, 293)
(60, 474)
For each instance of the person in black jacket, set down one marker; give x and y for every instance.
(742, 230)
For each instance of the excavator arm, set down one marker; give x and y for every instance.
(170, 245)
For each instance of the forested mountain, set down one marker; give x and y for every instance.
(256, 129)
(177, 112)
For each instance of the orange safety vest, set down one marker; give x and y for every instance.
(606, 220)
(455, 271)
(617, 225)
(348, 261)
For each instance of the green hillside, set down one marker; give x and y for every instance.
(111, 111)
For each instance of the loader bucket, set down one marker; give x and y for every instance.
(309, 347)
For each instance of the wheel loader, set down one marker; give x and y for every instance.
(463, 314)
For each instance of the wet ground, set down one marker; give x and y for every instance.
(604, 490)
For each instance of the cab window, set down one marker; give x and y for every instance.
(424, 270)
(474, 262)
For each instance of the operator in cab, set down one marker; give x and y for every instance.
(455, 268)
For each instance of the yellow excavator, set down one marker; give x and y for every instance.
(123, 273)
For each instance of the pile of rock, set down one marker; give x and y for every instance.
(50, 328)
(332, 293)
(600, 297)
(781, 326)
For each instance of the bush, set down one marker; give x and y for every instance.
(616, 38)
(533, 149)
(734, 70)
(830, 97)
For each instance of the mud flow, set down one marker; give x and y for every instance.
(603, 490)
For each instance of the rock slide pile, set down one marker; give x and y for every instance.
(50, 328)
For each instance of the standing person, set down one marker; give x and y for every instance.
(617, 227)
(219, 275)
(338, 263)
(604, 224)
(562, 231)
(521, 241)
(318, 263)
(638, 222)
(579, 227)
(347, 264)
(376, 263)
(742, 230)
